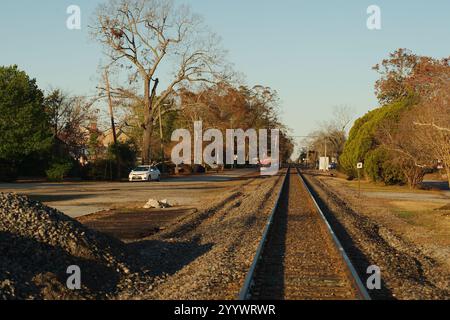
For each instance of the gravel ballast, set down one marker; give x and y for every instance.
(204, 255)
(207, 255)
(407, 273)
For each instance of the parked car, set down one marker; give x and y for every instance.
(145, 173)
(332, 166)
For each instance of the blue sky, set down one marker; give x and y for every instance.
(316, 54)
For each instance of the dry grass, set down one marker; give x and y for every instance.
(421, 216)
(367, 186)
(426, 215)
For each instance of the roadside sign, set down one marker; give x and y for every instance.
(359, 166)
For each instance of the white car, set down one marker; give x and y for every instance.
(145, 173)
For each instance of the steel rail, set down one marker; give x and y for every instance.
(357, 280)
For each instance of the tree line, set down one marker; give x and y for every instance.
(408, 136)
(162, 69)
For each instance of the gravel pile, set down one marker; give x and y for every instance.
(38, 244)
(156, 204)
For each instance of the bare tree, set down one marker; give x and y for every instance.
(69, 116)
(432, 125)
(142, 34)
(404, 150)
(330, 138)
(430, 118)
(342, 117)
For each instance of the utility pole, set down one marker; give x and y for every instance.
(110, 104)
(152, 97)
(161, 137)
(113, 125)
(359, 183)
(359, 166)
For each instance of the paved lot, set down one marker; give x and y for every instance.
(81, 198)
(439, 197)
(440, 193)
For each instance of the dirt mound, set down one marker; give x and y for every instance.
(38, 244)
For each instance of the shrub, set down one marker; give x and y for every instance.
(106, 169)
(380, 168)
(101, 169)
(8, 171)
(122, 157)
(362, 141)
(58, 170)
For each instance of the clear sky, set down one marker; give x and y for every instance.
(316, 54)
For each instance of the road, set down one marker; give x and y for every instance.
(81, 198)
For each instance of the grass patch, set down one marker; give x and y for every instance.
(368, 186)
(406, 215)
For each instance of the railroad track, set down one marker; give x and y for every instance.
(299, 256)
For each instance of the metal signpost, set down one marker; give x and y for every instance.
(359, 167)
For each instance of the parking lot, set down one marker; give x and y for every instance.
(81, 198)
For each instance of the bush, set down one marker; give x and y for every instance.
(362, 141)
(35, 164)
(167, 168)
(106, 169)
(8, 171)
(122, 157)
(58, 170)
(379, 168)
(101, 169)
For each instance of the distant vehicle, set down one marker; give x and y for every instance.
(145, 173)
(266, 168)
(332, 166)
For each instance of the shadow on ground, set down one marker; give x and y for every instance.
(157, 257)
(60, 197)
(436, 185)
(40, 270)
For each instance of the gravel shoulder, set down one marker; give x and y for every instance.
(208, 253)
(372, 235)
